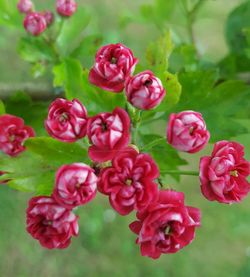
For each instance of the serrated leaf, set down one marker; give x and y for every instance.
(34, 170)
(173, 92)
(158, 52)
(233, 64)
(27, 172)
(195, 88)
(56, 152)
(33, 49)
(183, 57)
(237, 21)
(232, 97)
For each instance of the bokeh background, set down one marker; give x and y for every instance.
(105, 246)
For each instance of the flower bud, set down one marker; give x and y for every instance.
(66, 7)
(67, 120)
(49, 17)
(113, 64)
(186, 131)
(35, 23)
(25, 6)
(108, 133)
(75, 185)
(145, 91)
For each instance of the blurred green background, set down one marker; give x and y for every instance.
(105, 246)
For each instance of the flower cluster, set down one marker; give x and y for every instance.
(129, 177)
(114, 65)
(36, 22)
(51, 220)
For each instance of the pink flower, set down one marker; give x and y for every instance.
(187, 131)
(35, 23)
(67, 120)
(167, 225)
(113, 64)
(49, 17)
(50, 223)
(109, 133)
(223, 175)
(144, 90)
(75, 185)
(25, 6)
(13, 134)
(129, 182)
(66, 7)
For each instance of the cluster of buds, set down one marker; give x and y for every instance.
(36, 22)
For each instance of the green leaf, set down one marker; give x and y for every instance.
(33, 113)
(231, 96)
(246, 33)
(38, 69)
(158, 13)
(2, 108)
(69, 75)
(183, 57)
(87, 47)
(9, 14)
(222, 122)
(56, 152)
(173, 92)
(74, 79)
(99, 100)
(158, 52)
(164, 155)
(238, 20)
(33, 49)
(233, 64)
(71, 33)
(195, 87)
(35, 169)
(28, 173)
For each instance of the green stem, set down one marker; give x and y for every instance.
(136, 125)
(153, 143)
(181, 172)
(191, 16)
